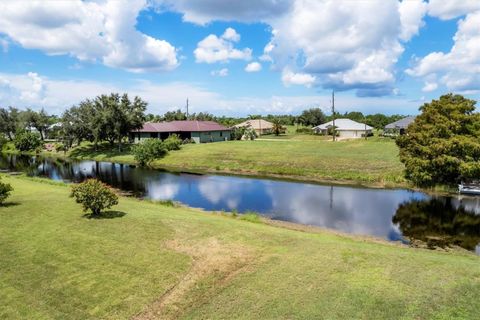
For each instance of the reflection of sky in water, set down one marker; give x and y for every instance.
(352, 210)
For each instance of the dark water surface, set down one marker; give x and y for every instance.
(397, 215)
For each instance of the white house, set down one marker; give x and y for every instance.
(346, 128)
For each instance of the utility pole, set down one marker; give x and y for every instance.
(333, 114)
(365, 120)
(187, 108)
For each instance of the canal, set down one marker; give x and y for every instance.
(392, 214)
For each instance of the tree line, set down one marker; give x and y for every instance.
(112, 117)
(309, 118)
(14, 121)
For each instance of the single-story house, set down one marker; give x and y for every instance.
(345, 128)
(398, 127)
(259, 125)
(198, 131)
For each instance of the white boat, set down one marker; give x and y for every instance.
(469, 188)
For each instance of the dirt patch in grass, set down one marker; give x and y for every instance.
(211, 261)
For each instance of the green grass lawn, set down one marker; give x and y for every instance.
(300, 157)
(366, 162)
(154, 261)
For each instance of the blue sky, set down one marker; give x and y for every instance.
(385, 56)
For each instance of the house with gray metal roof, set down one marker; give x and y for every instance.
(398, 127)
(198, 131)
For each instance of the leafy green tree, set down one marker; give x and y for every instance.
(237, 133)
(76, 125)
(277, 127)
(94, 196)
(443, 143)
(202, 116)
(107, 117)
(9, 122)
(121, 116)
(5, 190)
(175, 115)
(38, 120)
(153, 118)
(285, 119)
(355, 116)
(149, 150)
(379, 121)
(27, 141)
(312, 117)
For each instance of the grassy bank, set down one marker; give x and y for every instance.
(147, 261)
(301, 157)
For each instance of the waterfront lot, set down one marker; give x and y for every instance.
(153, 260)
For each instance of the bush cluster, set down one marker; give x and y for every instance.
(94, 196)
(304, 130)
(149, 150)
(5, 190)
(27, 141)
(173, 142)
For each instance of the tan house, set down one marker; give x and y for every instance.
(259, 125)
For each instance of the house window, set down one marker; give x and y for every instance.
(221, 133)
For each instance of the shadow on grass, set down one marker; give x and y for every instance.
(106, 215)
(9, 204)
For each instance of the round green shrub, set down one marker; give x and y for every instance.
(5, 190)
(94, 196)
(173, 142)
(149, 150)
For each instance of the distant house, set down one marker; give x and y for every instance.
(259, 125)
(198, 131)
(398, 127)
(346, 128)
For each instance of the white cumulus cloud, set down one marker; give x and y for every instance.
(289, 78)
(214, 49)
(231, 35)
(411, 17)
(37, 91)
(204, 11)
(429, 86)
(449, 9)
(220, 73)
(459, 69)
(253, 67)
(96, 31)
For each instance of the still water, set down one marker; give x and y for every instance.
(396, 215)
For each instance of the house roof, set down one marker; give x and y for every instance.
(401, 124)
(182, 126)
(344, 124)
(256, 124)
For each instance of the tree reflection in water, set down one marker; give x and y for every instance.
(439, 222)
